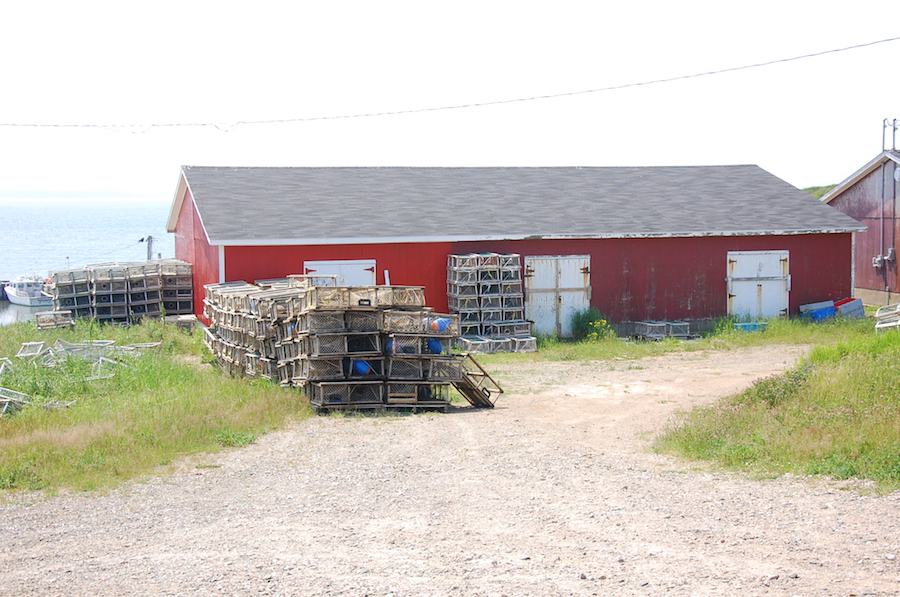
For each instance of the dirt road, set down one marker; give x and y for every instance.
(551, 493)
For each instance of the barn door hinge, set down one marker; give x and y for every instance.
(731, 295)
(586, 270)
(529, 272)
(309, 271)
(370, 269)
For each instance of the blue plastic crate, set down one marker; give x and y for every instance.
(819, 314)
(752, 326)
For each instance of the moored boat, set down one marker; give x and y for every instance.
(28, 291)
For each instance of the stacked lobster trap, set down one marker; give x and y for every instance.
(359, 347)
(124, 292)
(485, 290)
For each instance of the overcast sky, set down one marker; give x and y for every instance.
(811, 122)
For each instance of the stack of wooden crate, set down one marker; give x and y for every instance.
(71, 291)
(361, 347)
(144, 297)
(124, 293)
(486, 291)
(109, 293)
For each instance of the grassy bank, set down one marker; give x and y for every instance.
(837, 414)
(160, 406)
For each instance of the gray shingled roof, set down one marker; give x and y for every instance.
(331, 205)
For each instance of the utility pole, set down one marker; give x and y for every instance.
(149, 248)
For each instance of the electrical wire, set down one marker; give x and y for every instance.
(143, 128)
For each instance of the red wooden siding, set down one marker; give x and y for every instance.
(191, 246)
(632, 279)
(684, 278)
(866, 202)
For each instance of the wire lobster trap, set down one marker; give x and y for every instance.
(462, 290)
(364, 368)
(488, 260)
(462, 275)
(422, 394)
(491, 302)
(410, 322)
(510, 260)
(463, 303)
(327, 369)
(328, 297)
(368, 343)
(444, 369)
(444, 324)
(405, 368)
(315, 322)
(507, 329)
(362, 321)
(488, 288)
(327, 394)
(467, 261)
(406, 297)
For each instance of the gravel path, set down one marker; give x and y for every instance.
(551, 493)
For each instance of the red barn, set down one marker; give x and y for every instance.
(657, 243)
(870, 195)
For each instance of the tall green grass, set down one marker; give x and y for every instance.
(158, 407)
(837, 414)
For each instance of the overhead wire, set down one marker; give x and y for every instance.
(143, 128)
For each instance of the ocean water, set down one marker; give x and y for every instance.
(40, 235)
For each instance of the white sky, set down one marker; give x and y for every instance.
(811, 122)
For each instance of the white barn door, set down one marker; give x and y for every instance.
(356, 272)
(759, 283)
(556, 287)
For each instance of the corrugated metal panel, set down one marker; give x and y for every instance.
(191, 246)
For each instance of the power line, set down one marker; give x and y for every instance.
(143, 128)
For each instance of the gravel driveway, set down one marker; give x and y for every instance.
(551, 493)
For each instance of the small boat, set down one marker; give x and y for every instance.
(28, 291)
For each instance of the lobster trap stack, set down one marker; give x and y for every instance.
(359, 347)
(485, 290)
(124, 293)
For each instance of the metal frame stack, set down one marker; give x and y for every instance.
(124, 293)
(486, 291)
(359, 347)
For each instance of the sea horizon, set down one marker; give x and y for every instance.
(42, 234)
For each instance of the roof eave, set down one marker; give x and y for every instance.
(177, 202)
(238, 242)
(859, 175)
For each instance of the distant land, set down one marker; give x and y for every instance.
(819, 192)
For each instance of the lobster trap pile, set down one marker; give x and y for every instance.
(485, 290)
(359, 347)
(124, 292)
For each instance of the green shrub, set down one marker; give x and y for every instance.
(591, 325)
